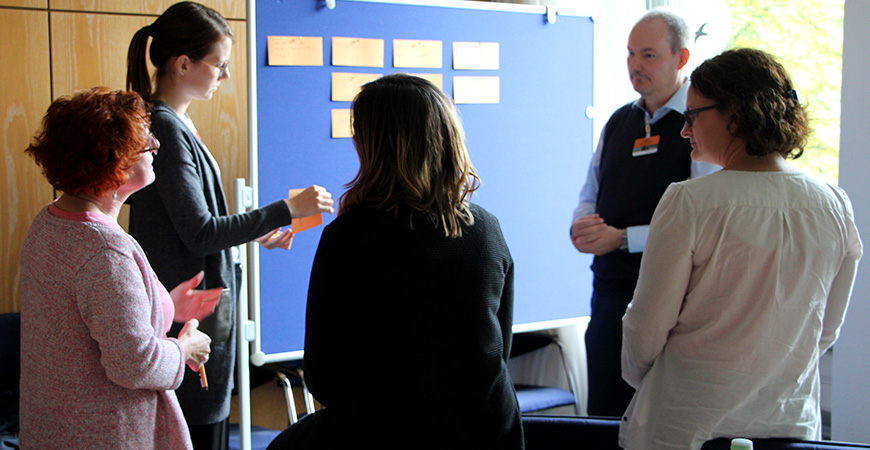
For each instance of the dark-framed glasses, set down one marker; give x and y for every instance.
(153, 145)
(223, 67)
(690, 114)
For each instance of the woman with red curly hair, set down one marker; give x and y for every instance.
(97, 370)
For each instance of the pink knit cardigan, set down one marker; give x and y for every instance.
(96, 369)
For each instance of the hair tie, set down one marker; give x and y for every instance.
(147, 29)
(792, 94)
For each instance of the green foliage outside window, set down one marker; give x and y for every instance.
(806, 36)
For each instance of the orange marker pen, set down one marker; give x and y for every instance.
(203, 380)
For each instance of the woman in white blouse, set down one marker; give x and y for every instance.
(746, 275)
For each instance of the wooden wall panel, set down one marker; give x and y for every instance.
(90, 50)
(231, 9)
(25, 3)
(24, 97)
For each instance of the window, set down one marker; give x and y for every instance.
(806, 36)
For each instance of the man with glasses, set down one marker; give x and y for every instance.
(640, 152)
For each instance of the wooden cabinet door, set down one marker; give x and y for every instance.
(231, 9)
(25, 3)
(89, 50)
(25, 96)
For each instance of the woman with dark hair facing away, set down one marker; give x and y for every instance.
(97, 370)
(747, 274)
(182, 220)
(408, 323)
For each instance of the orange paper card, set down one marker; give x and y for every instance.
(475, 55)
(345, 86)
(475, 90)
(303, 223)
(295, 50)
(341, 126)
(357, 52)
(417, 53)
(436, 78)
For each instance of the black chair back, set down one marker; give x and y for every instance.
(570, 432)
(10, 351)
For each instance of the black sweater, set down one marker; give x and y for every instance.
(408, 333)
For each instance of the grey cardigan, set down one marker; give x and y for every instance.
(183, 224)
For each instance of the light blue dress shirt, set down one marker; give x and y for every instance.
(589, 193)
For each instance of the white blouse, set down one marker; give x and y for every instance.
(744, 283)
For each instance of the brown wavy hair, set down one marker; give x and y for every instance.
(751, 88)
(90, 140)
(185, 28)
(412, 153)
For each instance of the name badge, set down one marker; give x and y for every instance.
(645, 146)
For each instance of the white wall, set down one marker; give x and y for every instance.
(613, 23)
(850, 412)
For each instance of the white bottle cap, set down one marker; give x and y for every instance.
(741, 444)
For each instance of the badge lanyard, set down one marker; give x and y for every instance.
(646, 145)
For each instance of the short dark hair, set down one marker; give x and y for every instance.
(90, 140)
(751, 88)
(185, 28)
(412, 153)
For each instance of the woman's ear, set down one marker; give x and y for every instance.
(733, 128)
(181, 64)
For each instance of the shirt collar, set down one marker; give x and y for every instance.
(677, 103)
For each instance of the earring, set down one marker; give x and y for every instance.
(115, 196)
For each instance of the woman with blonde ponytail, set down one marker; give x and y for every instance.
(182, 220)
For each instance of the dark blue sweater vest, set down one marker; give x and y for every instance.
(630, 187)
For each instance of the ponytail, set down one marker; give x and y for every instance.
(138, 78)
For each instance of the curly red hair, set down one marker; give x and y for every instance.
(90, 140)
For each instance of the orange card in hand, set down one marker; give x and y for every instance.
(303, 223)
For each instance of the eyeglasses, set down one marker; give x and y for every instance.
(153, 145)
(690, 113)
(223, 67)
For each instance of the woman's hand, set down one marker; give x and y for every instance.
(193, 303)
(194, 344)
(277, 239)
(314, 199)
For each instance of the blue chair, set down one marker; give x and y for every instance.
(537, 398)
(288, 375)
(260, 437)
